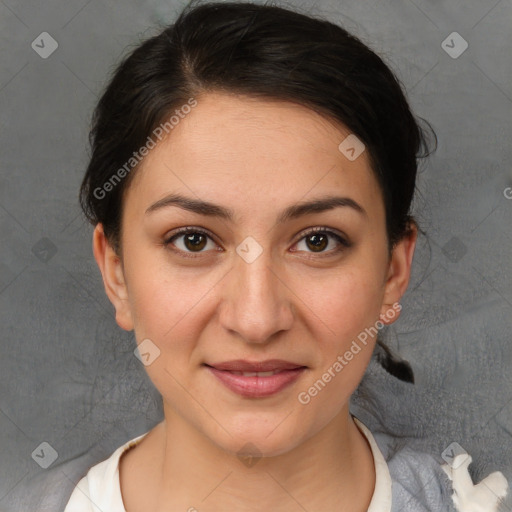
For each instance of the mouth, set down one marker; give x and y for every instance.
(256, 379)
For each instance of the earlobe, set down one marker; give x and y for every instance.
(399, 274)
(112, 273)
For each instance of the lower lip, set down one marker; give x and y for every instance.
(257, 387)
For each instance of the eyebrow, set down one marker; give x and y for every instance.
(291, 212)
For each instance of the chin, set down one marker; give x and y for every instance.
(265, 437)
(258, 446)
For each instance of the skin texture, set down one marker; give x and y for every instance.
(255, 157)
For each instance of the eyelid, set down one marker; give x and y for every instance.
(342, 238)
(189, 229)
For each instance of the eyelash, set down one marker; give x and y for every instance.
(344, 244)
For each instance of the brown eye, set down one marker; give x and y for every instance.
(318, 239)
(189, 240)
(194, 241)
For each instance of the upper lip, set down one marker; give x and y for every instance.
(241, 365)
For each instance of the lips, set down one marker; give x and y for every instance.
(270, 365)
(256, 379)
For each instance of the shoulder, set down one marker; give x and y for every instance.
(491, 493)
(99, 489)
(421, 483)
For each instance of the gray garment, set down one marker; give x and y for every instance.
(419, 484)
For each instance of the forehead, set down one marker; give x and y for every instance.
(253, 153)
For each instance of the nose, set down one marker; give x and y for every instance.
(256, 303)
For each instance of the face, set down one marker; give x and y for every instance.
(248, 282)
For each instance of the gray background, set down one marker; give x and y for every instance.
(68, 375)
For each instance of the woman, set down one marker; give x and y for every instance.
(250, 185)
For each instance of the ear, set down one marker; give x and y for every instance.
(111, 268)
(399, 273)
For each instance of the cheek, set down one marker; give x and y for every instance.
(346, 302)
(169, 303)
(168, 309)
(163, 302)
(348, 305)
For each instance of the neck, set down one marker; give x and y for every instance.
(332, 470)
